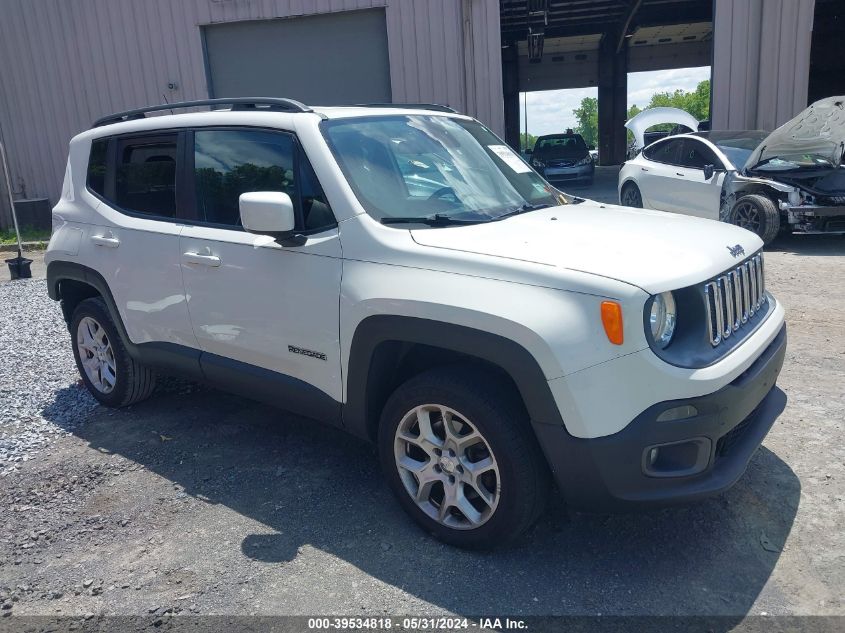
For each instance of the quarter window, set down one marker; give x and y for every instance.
(97, 166)
(145, 178)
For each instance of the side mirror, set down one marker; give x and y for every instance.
(529, 151)
(709, 170)
(592, 148)
(267, 213)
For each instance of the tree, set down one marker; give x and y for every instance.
(697, 103)
(588, 120)
(526, 141)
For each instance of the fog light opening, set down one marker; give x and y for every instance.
(677, 459)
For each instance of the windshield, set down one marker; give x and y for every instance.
(737, 146)
(793, 162)
(568, 146)
(427, 165)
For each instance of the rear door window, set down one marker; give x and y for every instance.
(668, 151)
(145, 175)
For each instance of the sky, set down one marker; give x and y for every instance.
(550, 111)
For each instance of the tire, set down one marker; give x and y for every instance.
(515, 487)
(631, 196)
(758, 214)
(111, 375)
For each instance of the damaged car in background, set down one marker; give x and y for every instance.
(789, 180)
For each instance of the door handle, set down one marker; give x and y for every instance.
(679, 174)
(108, 242)
(643, 169)
(204, 260)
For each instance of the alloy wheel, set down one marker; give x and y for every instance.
(447, 466)
(748, 217)
(631, 197)
(96, 355)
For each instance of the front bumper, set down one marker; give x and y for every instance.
(815, 219)
(568, 174)
(609, 473)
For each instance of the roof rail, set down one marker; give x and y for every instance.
(412, 106)
(238, 103)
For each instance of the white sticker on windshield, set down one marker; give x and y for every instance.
(509, 156)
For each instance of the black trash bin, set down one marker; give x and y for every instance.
(19, 267)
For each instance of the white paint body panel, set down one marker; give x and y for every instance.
(675, 188)
(537, 279)
(263, 297)
(650, 117)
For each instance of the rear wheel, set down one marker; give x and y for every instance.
(757, 214)
(110, 374)
(457, 450)
(631, 196)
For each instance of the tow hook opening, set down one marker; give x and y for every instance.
(677, 459)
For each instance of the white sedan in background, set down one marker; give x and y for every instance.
(684, 173)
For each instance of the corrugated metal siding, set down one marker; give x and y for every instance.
(63, 64)
(761, 62)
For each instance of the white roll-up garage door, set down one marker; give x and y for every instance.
(330, 59)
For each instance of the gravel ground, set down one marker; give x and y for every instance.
(33, 375)
(197, 502)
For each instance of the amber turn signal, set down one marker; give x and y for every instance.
(611, 318)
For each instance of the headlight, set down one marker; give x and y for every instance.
(585, 161)
(663, 318)
(538, 163)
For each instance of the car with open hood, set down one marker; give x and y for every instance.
(789, 180)
(404, 275)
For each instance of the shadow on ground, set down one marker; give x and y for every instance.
(317, 486)
(813, 245)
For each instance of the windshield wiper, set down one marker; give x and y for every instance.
(438, 219)
(525, 208)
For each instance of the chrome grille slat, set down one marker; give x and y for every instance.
(733, 298)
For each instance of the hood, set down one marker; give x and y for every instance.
(653, 250)
(820, 129)
(658, 116)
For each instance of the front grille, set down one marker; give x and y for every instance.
(733, 298)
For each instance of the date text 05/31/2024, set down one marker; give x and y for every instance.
(414, 623)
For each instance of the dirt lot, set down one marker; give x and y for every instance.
(199, 502)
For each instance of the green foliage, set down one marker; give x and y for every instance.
(526, 141)
(27, 235)
(588, 120)
(697, 103)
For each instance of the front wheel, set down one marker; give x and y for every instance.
(458, 452)
(631, 196)
(111, 375)
(757, 214)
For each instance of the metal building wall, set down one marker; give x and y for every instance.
(761, 62)
(64, 63)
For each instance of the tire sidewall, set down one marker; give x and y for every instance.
(630, 186)
(505, 519)
(97, 310)
(767, 211)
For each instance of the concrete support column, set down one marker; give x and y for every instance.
(613, 99)
(510, 83)
(761, 62)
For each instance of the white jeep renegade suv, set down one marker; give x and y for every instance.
(402, 274)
